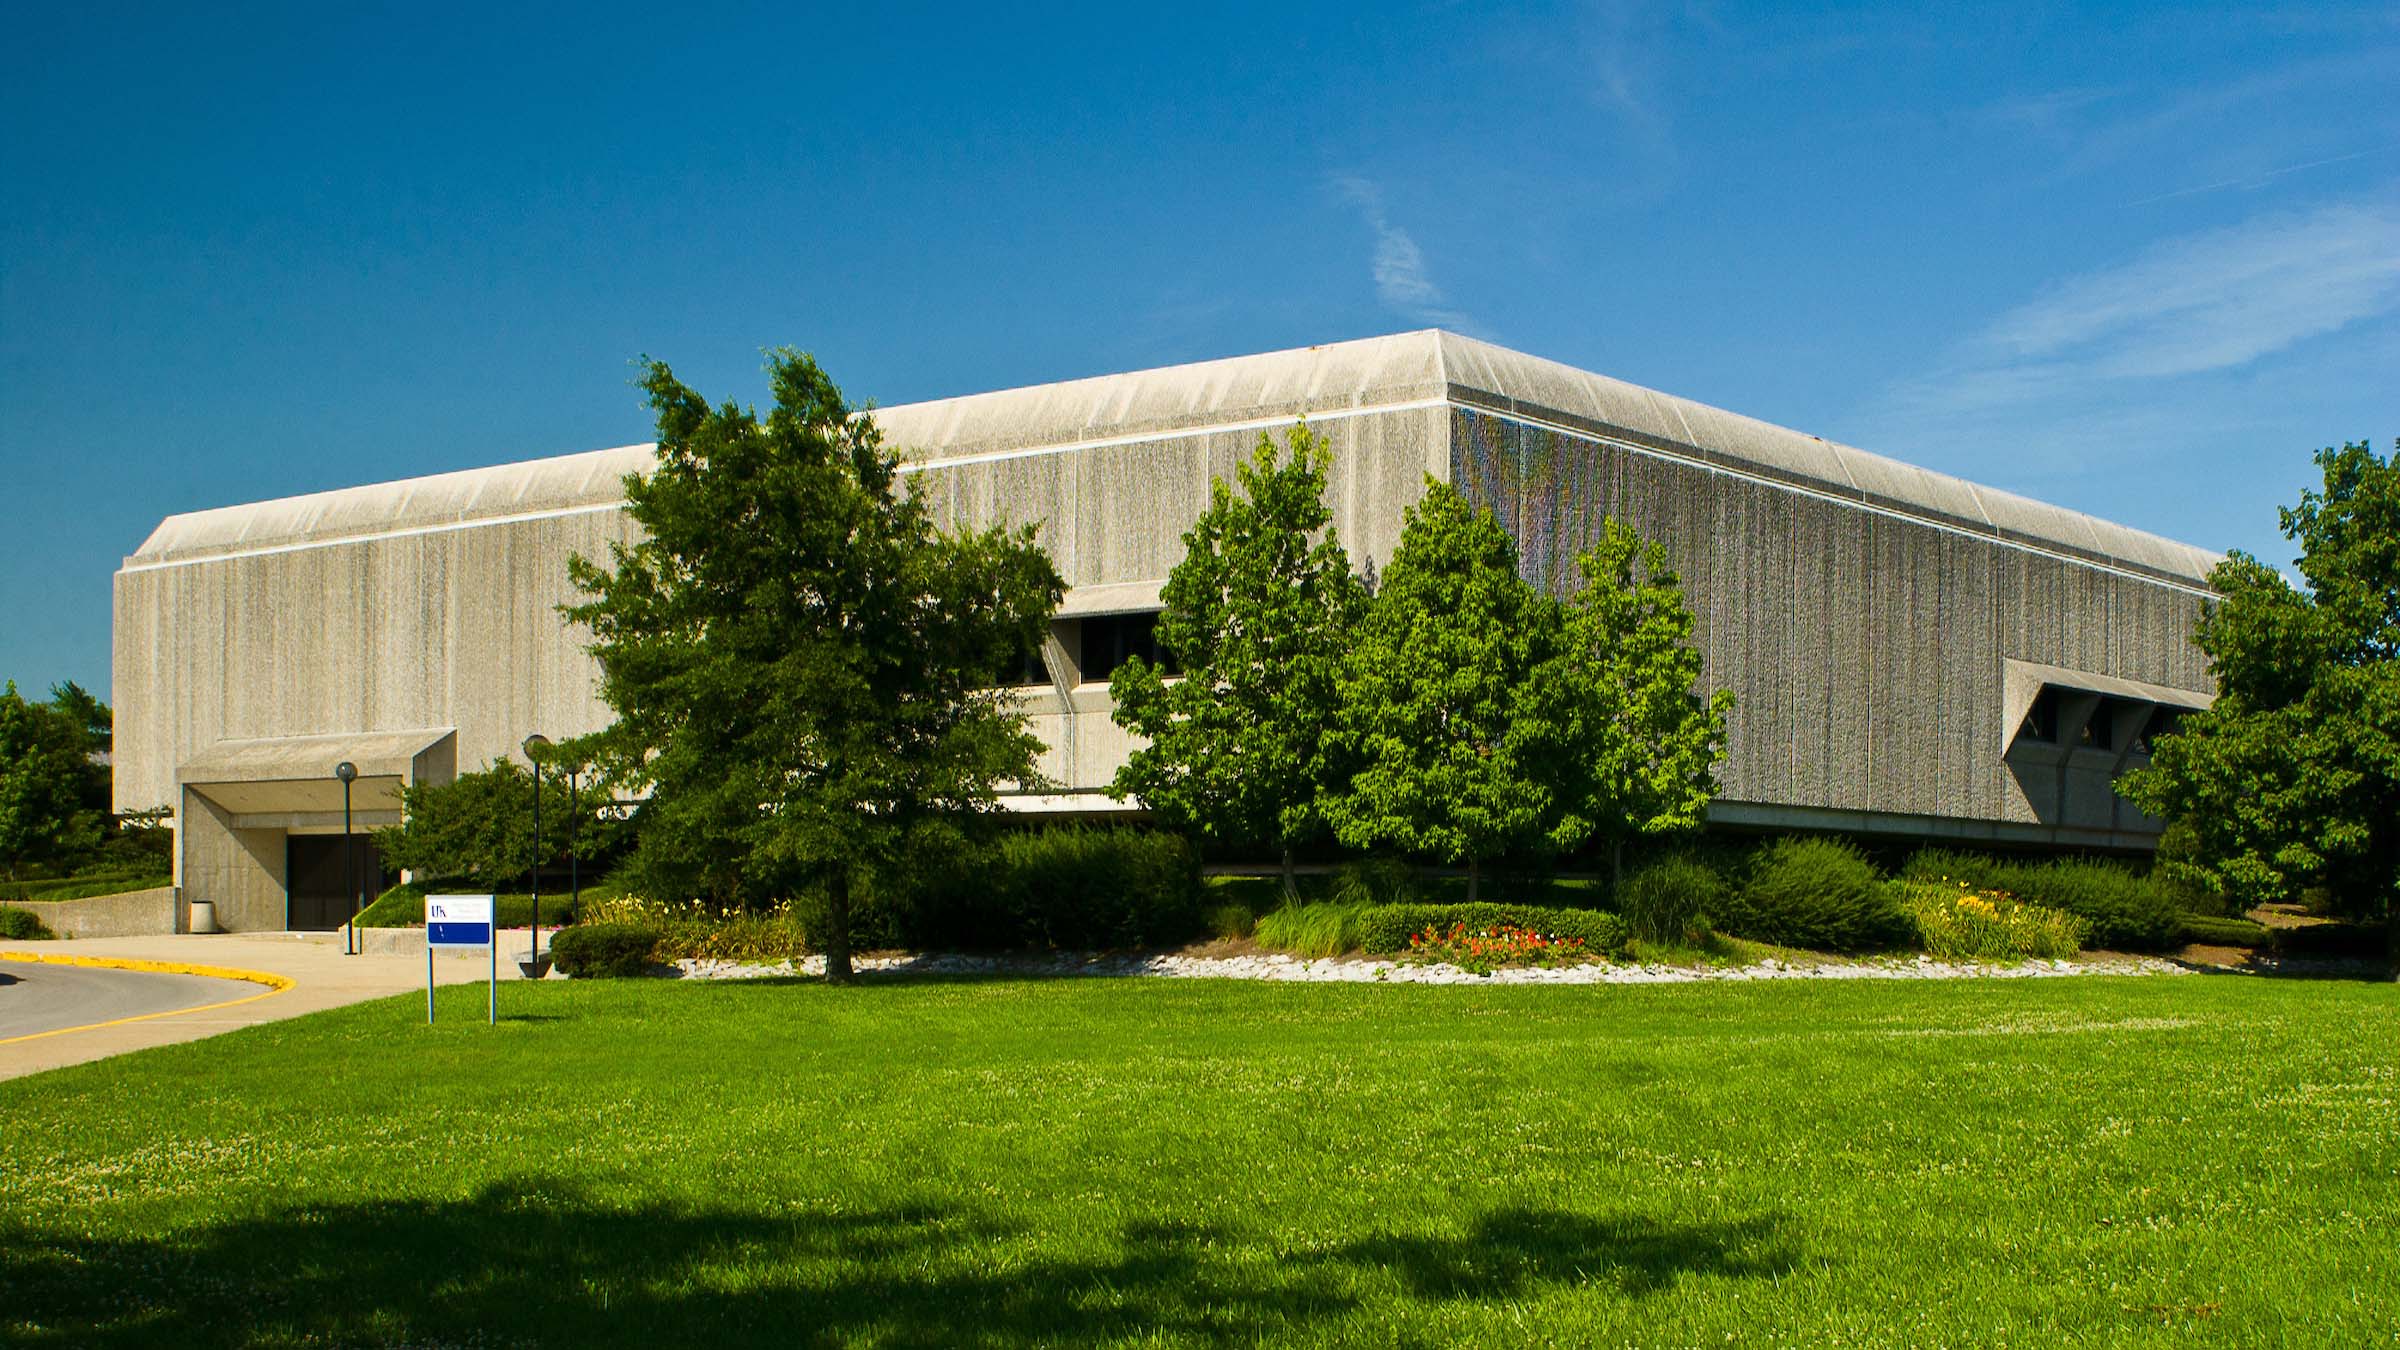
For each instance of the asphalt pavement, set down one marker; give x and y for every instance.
(42, 998)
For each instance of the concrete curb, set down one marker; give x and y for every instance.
(274, 983)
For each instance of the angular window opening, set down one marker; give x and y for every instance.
(2100, 729)
(1110, 640)
(2041, 720)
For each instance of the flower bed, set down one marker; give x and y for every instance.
(1957, 921)
(1486, 949)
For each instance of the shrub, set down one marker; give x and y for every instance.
(2332, 941)
(1955, 921)
(1816, 893)
(23, 925)
(2126, 911)
(1671, 899)
(1385, 929)
(1326, 928)
(1073, 887)
(605, 950)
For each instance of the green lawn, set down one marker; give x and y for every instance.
(2204, 1159)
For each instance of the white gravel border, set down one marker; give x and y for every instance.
(1362, 971)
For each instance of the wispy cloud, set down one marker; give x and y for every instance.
(2095, 130)
(1627, 47)
(2262, 179)
(1402, 281)
(2047, 112)
(2204, 302)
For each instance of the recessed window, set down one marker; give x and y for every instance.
(1110, 640)
(2041, 720)
(1026, 666)
(2099, 729)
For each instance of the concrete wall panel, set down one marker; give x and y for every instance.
(1863, 648)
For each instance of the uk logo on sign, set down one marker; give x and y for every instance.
(458, 921)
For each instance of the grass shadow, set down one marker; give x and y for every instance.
(540, 1262)
(1506, 1252)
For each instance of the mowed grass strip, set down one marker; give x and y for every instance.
(2188, 1160)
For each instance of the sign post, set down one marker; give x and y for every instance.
(462, 921)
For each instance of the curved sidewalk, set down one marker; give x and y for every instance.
(318, 977)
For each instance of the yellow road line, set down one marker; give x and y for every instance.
(276, 984)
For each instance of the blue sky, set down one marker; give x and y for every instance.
(2135, 261)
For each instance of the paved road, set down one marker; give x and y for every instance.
(46, 998)
(321, 977)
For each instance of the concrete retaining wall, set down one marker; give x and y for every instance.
(127, 914)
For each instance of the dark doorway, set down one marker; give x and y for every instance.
(317, 876)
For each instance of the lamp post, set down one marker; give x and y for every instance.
(574, 861)
(348, 773)
(534, 966)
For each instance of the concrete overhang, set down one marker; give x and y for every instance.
(288, 775)
(2021, 682)
(1121, 597)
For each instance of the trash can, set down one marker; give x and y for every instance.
(204, 916)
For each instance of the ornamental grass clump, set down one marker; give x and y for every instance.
(1957, 921)
(1326, 928)
(1483, 950)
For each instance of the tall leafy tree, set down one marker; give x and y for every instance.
(1642, 743)
(1257, 615)
(53, 789)
(1455, 756)
(800, 661)
(2292, 779)
(479, 827)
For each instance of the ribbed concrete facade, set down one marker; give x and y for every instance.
(1891, 634)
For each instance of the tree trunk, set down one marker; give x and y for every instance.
(1616, 869)
(837, 927)
(1291, 887)
(1474, 879)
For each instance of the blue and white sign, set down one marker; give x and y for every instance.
(462, 921)
(458, 921)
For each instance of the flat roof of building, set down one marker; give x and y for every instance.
(1407, 370)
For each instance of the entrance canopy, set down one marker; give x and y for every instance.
(288, 776)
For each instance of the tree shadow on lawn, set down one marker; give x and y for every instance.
(533, 1263)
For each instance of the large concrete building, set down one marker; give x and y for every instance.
(1911, 654)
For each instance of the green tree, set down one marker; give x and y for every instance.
(1455, 748)
(53, 791)
(479, 827)
(1642, 744)
(799, 659)
(1257, 616)
(2291, 780)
